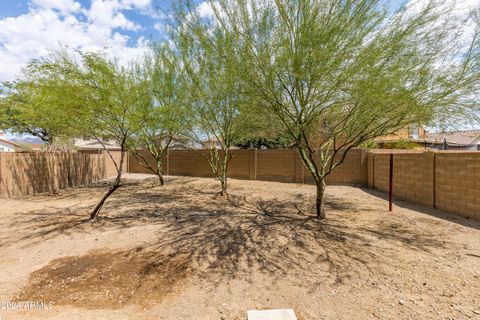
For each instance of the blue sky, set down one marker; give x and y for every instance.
(32, 29)
(124, 29)
(146, 18)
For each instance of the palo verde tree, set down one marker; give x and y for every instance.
(337, 73)
(116, 97)
(107, 100)
(162, 117)
(30, 104)
(215, 116)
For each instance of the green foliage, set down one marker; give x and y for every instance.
(321, 75)
(90, 97)
(256, 140)
(60, 97)
(37, 103)
(369, 145)
(163, 118)
(217, 107)
(400, 144)
(339, 73)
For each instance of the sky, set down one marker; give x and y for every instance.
(124, 29)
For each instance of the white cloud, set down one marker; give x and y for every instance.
(205, 10)
(140, 4)
(52, 24)
(65, 6)
(107, 14)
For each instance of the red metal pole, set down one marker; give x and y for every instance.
(390, 184)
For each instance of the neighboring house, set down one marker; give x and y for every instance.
(93, 145)
(458, 140)
(7, 146)
(412, 133)
(34, 146)
(180, 142)
(23, 143)
(211, 143)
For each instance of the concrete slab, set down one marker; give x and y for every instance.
(275, 314)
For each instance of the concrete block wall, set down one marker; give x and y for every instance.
(408, 175)
(137, 166)
(445, 180)
(457, 183)
(281, 165)
(276, 165)
(187, 163)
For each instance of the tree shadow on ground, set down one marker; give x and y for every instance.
(216, 238)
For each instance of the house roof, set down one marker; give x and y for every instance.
(35, 146)
(461, 138)
(94, 144)
(9, 142)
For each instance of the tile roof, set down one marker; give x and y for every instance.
(10, 142)
(461, 138)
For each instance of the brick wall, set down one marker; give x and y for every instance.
(446, 180)
(282, 165)
(408, 173)
(457, 183)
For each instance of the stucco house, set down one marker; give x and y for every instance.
(93, 146)
(7, 146)
(412, 133)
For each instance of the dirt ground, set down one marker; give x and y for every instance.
(180, 252)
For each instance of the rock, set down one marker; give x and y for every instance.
(277, 314)
(401, 302)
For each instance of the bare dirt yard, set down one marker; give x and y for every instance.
(180, 252)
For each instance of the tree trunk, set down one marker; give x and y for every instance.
(224, 187)
(99, 206)
(160, 178)
(223, 181)
(320, 205)
(159, 172)
(112, 189)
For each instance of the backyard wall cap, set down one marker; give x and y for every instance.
(275, 314)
